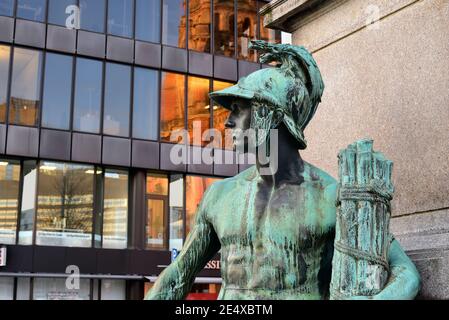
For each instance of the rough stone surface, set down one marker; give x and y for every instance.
(391, 85)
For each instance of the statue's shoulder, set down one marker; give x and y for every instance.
(322, 180)
(230, 184)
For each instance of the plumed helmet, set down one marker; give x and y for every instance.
(288, 93)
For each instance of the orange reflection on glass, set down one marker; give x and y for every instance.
(156, 224)
(157, 184)
(220, 116)
(246, 28)
(172, 104)
(4, 72)
(198, 108)
(224, 39)
(195, 188)
(199, 25)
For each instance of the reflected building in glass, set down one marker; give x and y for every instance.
(88, 122)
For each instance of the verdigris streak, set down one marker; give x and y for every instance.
(276, 232)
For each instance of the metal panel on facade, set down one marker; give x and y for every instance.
(6, 29)
(86, 148)
(200, 160)
(49, 259)
(174, 59)
(112, 261)
(22, 141)
(55, 144)
(225, 163)
(120, 49)
(179, 157)
(116, 151)
(91, 44)
(200, 63)
(246, 68)
(61, 39)
(225, 68)
(30, 33)
(2, 138)
(145, 154)
(148, 54)
(84, 258)
(19, 259)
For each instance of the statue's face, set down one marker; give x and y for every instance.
(239, 121)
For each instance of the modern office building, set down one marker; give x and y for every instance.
(90, 93)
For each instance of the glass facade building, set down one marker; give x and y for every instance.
(93, 94)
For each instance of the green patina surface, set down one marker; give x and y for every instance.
(277, 240)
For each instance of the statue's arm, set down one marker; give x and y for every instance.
(175, 282)
(404, 281)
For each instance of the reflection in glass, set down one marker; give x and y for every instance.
(224, 20)
(157, 184)
(156, 222)
(7, 8)
(64, 205)
(115, 221)
(117, 100)
(25, 87)
(146, 109)
(195, 188)
(31, 9)
(148, 20)
(92, 14)
(57, 11)
(87, 106)
(23, 288)
(220, 116)
(199, 25)
(120, 18)
(246, 28)
(4, 73)
(56, 289)
(113, 290)
(269, 35)
(6, 288)
(9, 200)
(198, 108)
(28, 205)
(172, 104)
(57, 91)
(176, 203)
(174, 23)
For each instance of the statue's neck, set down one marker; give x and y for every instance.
(289, 167)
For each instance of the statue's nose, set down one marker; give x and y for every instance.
(230, 123)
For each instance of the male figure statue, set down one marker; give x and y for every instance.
(275, 231)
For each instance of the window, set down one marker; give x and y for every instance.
(120, 18)
(25, 87)
(6, 288)
(65, 205)
(174, 23)
(198, 109)
(199, 25)
(56, 289)
(5, 53)
(146, 98)
(156, 222)
(224, 38)
(31, 9)
(7, 8)
(117, 100)
(23, 288)
(9, 200)
(57, 11)
(195, 188)
(220, 115)
(148, 20)
(92, 14)
(88, 86)
(115, 223)
(57, 91)
(113, 289)
(29, 178)
(176, 203)
(172, 104)
(246, 28)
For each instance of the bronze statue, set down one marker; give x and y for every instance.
(275, 231)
